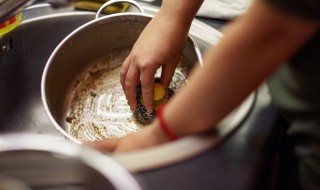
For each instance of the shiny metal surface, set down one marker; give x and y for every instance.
(108, 3)
(26, 50)
(32, 162)
(10, 7)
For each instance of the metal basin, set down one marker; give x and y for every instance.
(24, 53)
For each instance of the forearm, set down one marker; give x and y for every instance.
(180, 10)
(179, 13)
(253, 47)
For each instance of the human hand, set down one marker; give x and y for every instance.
(160, 44)
(149, 136)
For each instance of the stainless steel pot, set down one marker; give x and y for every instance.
(78, 52)
(34, 161)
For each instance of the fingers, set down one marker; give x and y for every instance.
(130, 73)
(106, 146)
(167, 74)
(131, 83)
(124, 71)
(147, 137)
(147, 83)
(129, 77)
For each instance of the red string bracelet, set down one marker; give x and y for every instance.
(163, 124)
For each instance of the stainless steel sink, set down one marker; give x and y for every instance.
(24, 53)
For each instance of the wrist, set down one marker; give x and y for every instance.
(184, 13)
(166, 129)
(158, 133)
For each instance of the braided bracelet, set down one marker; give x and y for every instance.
(163, 124)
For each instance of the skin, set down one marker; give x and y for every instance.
(252, 48)
(160, 45)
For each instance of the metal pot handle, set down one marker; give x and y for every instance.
(105, 5)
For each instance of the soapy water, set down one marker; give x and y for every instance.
(99, 109)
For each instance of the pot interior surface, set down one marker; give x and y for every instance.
(99, 109)
(82, 78)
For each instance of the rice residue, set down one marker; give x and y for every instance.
(99, 109)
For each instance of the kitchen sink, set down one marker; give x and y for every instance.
(24, 53)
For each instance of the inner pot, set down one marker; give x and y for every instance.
(86, 64)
